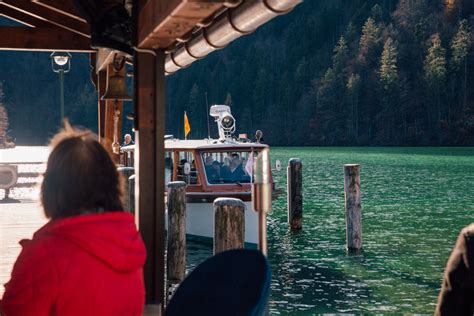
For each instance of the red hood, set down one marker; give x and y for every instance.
(111, 237)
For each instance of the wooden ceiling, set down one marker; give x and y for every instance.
(45, 29)
(55, 25)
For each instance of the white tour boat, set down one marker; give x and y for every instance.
(212, 168)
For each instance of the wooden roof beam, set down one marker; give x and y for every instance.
(65, 7)
(42, 39)
(42, 13)
(161, 22)
(21, 17)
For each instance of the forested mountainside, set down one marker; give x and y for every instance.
(332, 72)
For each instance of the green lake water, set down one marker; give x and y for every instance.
(414, 203)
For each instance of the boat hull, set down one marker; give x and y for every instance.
(200, 223)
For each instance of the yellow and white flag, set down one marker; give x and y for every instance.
(187, 127)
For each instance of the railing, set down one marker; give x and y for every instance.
(20, 175)
(127, 156)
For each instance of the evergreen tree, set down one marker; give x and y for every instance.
(388, 65)
(353, 88)
(460, 46)
(377, 13)
(326, 109)
(368, 41)
(389, 82)
(351, 32)
(341, 55)
(435, 76)
(368, 58)
(435, 62)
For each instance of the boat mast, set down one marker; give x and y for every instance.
(208, 126)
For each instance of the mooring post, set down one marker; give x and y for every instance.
(131, 194)
(229, 224)
(176, 254)
(295, 193)
(352, 207)
(127, 172)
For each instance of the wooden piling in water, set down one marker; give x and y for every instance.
(176, 251)
(353, 207)
(229, 224)
(127, 172)
(295, 193)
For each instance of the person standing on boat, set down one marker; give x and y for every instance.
(88, 259)
(127, 140)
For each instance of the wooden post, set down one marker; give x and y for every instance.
(295, 193)
(131, 193)
(102, 81)
(229, 224)
(126, 173)
(149, 86)
(353, 207)
(176, 254)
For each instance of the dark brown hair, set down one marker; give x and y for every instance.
(80, 176)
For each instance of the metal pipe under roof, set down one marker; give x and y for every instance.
(231, 24)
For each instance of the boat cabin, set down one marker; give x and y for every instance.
(210, 167)
(207, 166)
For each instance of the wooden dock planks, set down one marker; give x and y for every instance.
(17, 221)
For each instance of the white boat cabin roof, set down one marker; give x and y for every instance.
(211, 144)
(203, 144)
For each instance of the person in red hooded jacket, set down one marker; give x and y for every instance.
(88, 259)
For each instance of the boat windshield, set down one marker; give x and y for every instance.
(228, 167)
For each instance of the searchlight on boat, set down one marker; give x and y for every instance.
(225, 121)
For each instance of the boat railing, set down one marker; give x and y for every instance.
(126, 156)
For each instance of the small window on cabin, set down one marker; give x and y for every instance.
(234, 167)
(183, 158)
(168, 166)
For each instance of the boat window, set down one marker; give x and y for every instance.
(228, 167)
(192, 177)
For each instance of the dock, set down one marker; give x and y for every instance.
(17, 221)
(22, 215)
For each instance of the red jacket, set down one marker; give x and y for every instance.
(82, 265)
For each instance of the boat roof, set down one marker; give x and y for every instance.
(203, 144)
(209, 144)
